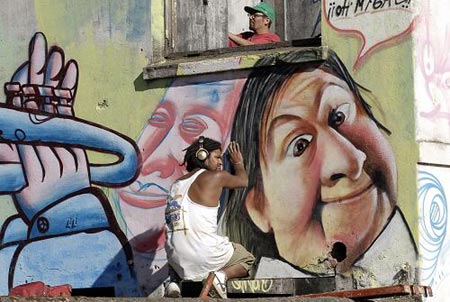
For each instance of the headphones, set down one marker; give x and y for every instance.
(201, 153)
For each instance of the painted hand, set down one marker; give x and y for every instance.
(45, 87)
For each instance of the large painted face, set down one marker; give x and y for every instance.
(188, 109)
(328, 173)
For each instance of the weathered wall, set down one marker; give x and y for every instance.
(77, 239)
(331, 191)
(413, 76)
(374, 37)
(237, 17)
(432, 114)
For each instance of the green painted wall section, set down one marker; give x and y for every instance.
(110, 55)
(111, 41)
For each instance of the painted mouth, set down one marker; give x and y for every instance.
(352, 196)
(148, 195)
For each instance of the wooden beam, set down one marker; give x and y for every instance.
(378, 292)
(207, 286)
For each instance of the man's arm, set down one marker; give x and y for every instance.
(239, 40)
(208, 186)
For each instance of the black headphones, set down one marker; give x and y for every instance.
(201, 153)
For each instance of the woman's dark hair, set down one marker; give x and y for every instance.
(190, 159)
(264, 82)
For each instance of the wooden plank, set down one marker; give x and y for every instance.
(216, 24)
(302, 19)
(190, 27)
(377, 292)
(280, 25)
(200, 25)
(207, 285)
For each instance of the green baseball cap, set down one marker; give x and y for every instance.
(262, 7)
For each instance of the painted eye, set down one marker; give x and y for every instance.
(338, 116)
(159, 119)
(298, 146)
(193, 126)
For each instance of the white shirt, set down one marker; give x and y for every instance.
(193, 246)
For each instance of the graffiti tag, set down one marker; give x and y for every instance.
(252, 286)
(358, 17)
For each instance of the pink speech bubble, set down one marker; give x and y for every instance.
(375, 21)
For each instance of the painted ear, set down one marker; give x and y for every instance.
(257, 208)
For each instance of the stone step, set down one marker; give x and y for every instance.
(279, 286)
(266, 287)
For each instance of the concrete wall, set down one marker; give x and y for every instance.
(432, 115)
(381, 60)
(333, 187)
(404, 64)
(85, 243)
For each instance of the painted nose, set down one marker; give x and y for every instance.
(165, 159)
(340, 159)
(165, 166)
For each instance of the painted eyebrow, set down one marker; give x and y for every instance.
(275, 123)
(279, 121)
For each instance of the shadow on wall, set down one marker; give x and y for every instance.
(141, 85)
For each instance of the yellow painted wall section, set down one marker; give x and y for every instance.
(111, 42)
(387, 72)
(99, 36)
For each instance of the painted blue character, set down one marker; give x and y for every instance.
(65, 231)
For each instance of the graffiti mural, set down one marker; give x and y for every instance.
(432, 87)
(358, 17)
(322, 198)
(64, 230)
(433, 70)
(434, 239)
(322, 194)
(191, 106)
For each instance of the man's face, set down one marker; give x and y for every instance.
(187, 111)
(328, 173)
(257, 21)
(214, 161)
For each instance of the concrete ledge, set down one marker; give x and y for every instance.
(227, 59)
(282, 299)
